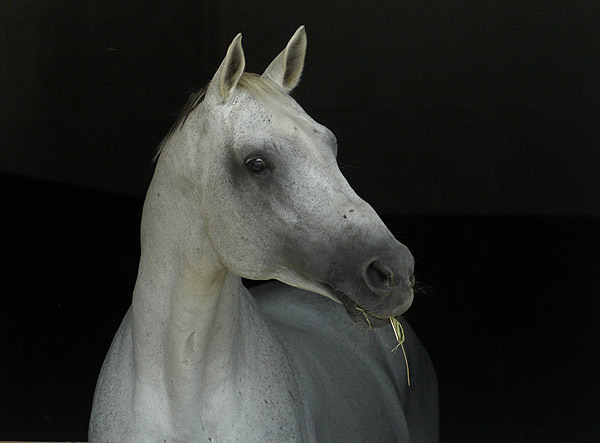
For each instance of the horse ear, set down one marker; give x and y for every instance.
(286, 69)
(227, 76)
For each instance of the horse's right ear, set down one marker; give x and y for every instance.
(228, 75)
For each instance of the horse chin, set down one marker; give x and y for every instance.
(358, 315)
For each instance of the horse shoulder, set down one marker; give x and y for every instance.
(356, 388)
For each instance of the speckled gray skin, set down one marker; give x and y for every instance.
(249, 187)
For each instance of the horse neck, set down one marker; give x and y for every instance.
(190, 315)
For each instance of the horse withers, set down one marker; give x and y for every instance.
(247, 185)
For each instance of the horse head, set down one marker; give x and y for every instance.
(273, 202)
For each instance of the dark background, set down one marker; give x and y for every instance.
(472, 127)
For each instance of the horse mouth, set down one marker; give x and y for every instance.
(359, 315)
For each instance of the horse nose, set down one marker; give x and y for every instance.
(379, 278)
(382, 280)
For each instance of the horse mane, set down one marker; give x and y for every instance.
(252, 83)
(192, 103)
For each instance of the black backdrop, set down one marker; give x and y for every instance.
(471, 126)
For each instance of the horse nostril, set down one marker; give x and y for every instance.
(379, 278)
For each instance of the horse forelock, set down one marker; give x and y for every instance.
(261, 88)
(254, 84)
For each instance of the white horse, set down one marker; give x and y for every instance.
(247, 185)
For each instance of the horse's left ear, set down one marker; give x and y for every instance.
(228, 75)
(286, 69)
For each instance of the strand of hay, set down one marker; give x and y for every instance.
(400, 337)
(366, 317)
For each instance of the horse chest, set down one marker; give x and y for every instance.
(312, 394)
(258, 402)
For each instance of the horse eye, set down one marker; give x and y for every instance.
(256, 164)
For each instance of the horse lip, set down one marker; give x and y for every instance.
(355, 311)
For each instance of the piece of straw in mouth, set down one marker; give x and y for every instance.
(400, 337)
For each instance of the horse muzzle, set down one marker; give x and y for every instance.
(384, 289)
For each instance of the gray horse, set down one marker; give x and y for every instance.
(247, 185)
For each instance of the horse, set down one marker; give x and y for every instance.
(246, 185)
